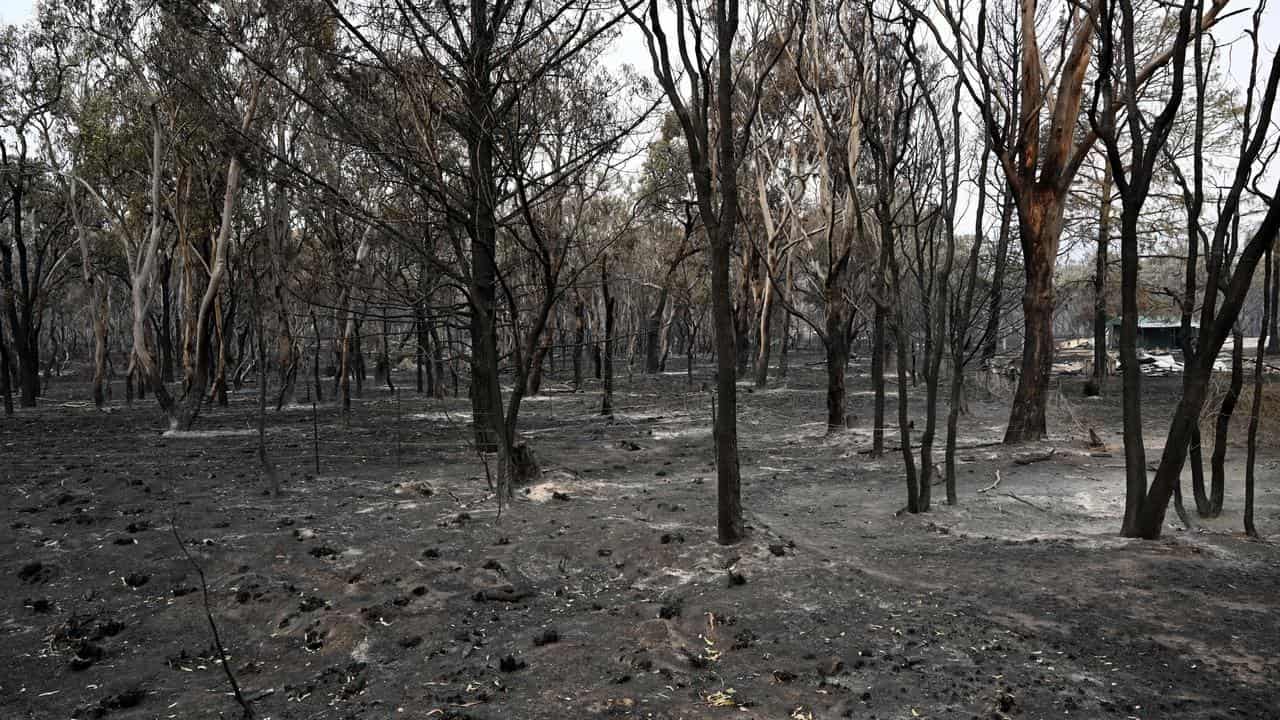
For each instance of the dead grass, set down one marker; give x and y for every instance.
(1268, 417)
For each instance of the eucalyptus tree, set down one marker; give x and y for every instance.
(889, 105)
(461, 79)
(666, 204)
(934, 198)
(824, 61)
(1118, 66)
(1040, 160)
(33, 72)
(713, 65)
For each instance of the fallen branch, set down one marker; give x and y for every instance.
(1025, 502)
(993, 485)
(213, 627)
(1028, 459)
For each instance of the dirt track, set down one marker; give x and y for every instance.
(386, 588)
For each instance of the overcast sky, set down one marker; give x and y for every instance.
(15, 11)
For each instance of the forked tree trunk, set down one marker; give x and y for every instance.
(190, 409)
(1196, 378)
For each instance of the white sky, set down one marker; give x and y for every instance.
(15, 11)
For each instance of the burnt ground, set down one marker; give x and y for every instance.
(386, 586)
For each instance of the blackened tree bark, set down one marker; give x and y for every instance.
(19, 298)
(1273, 337)
(6, 372)
(713, 82)
(579, 339)
(1217, 321)
(1100, 284)
(189, 410)
(1268, 314)
(1041, 162)
(999, 266)
(1222, 426)
(878, 339)
(915, 503)
(1133, 177)
(606, 402)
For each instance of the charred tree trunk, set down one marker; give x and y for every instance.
(764, 346)
(536, 365)
(878, 340)
(837, 347)
(744, 311)
(1041, 228)
(384, 356)
(1273, 337)
(1222, 426)
(1269, 284)
(1100, 287)
(486, 391)
(785, 340)
(358, 369)
(653, 332)
(904, 422)
(421, 363)
(995, 295)
(22, 329)
(6, 373)
(100, 317)
(315, 359)
(164, 334)
(579, 339)
(288, 355)
(224, 336)
(606, 404)
(956, 401)
(1131, 393)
